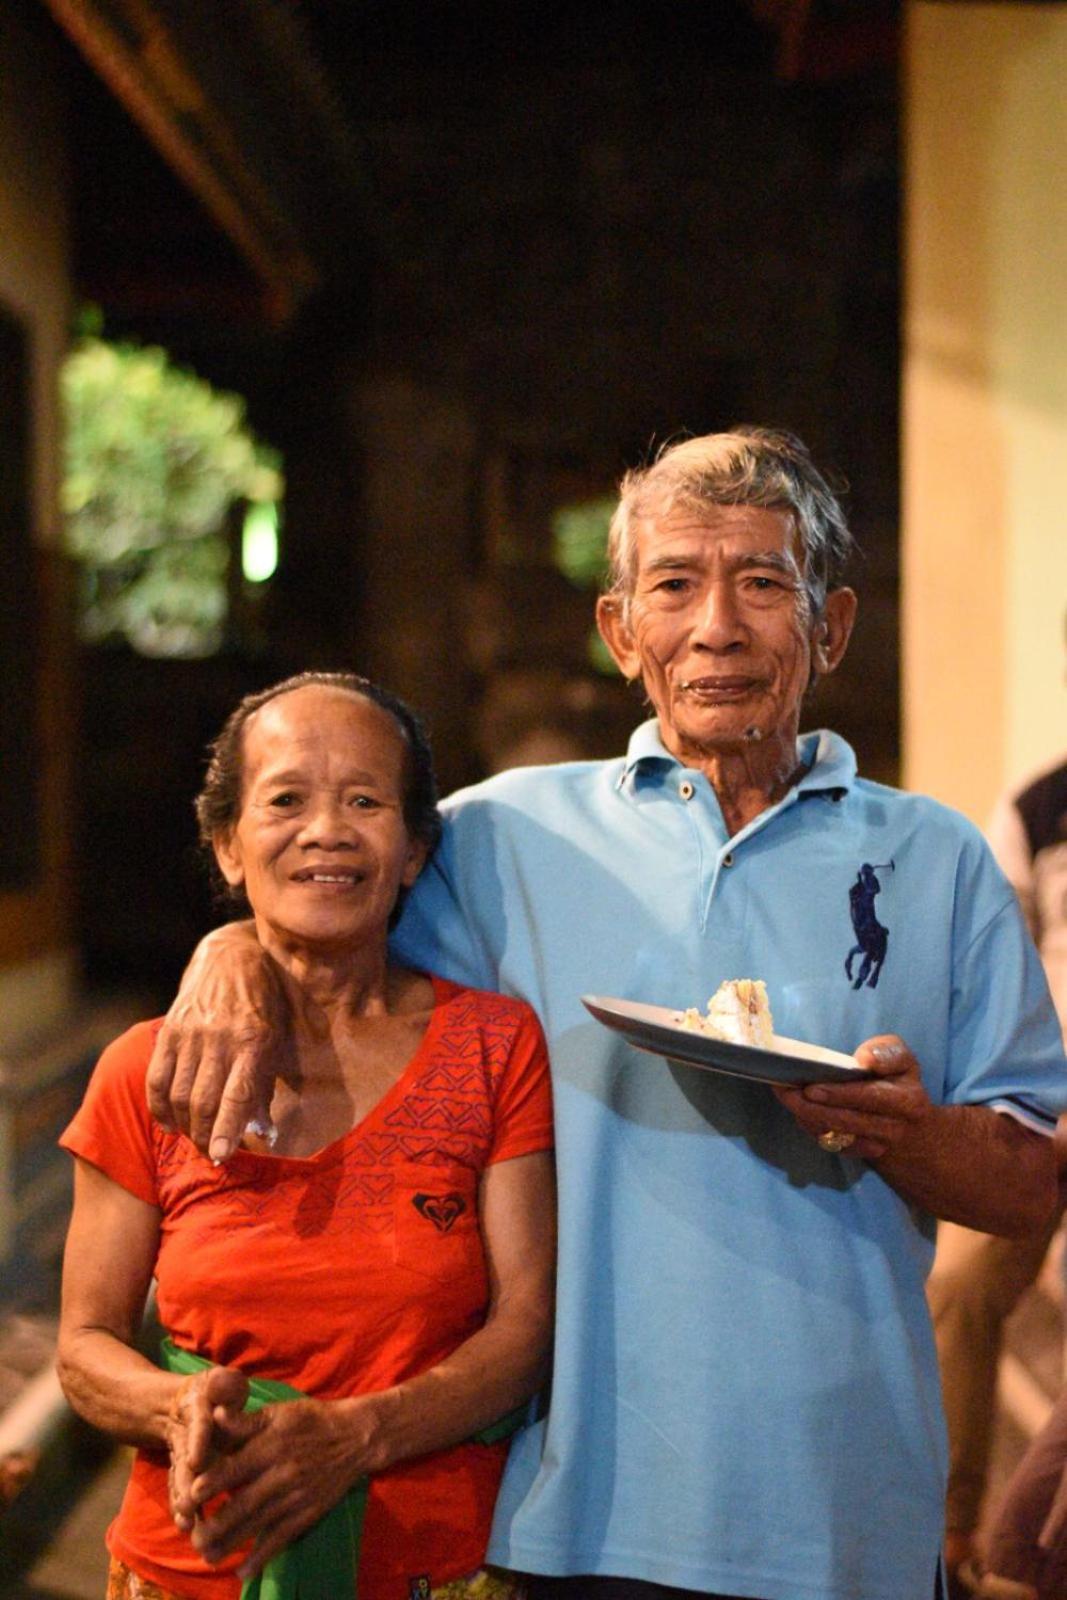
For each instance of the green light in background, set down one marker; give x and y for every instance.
(580, 540)
(259, 541)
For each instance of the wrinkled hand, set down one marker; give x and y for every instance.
(203, 1413)
(882, 1116)
(218, 1052)
(283, 1468)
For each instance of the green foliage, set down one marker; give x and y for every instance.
(155, 459)
(580, 551)
(580, 541)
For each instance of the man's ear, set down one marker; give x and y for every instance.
(833, 631)
(228, 857)
(615, 632)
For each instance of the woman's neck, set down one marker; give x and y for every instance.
(327, 985)
(356, 1022)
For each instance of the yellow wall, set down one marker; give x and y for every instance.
(36, 966)
(985, 397)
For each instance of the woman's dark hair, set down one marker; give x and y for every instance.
(218, 805)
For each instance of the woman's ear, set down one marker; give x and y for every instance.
(615, 631)
(228, 856)
(414, 861)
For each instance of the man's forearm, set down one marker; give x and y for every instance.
(978, 1167)
(231, 936)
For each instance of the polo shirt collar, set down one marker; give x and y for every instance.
(830, 761)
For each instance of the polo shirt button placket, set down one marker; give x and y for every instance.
(686, 789)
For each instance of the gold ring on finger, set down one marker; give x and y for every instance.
(834, 1141)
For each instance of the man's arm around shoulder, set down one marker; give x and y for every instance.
(213, 1068)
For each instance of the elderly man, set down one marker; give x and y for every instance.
(745, 1399)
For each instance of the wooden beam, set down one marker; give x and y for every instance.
(130, 48)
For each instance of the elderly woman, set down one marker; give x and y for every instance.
(377, 1280)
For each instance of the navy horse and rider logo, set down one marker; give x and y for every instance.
(872, 937)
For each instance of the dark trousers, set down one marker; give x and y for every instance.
(585, 1588)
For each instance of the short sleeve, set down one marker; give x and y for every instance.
(461, 915)
(434, 933)
(522, 1122)
(112, 1128)
(1006, 1045)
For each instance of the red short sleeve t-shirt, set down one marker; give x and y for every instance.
(340, 1273)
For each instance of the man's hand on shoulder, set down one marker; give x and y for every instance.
(213, 1068)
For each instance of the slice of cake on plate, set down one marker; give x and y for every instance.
(738, 1012)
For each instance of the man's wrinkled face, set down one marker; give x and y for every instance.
(720, 627)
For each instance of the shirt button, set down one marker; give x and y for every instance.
(728, 859)
(686, 790)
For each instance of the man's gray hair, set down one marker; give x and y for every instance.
(745, 467)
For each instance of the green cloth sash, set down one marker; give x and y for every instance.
(321, 1564)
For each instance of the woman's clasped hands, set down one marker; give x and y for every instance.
(260, 1478)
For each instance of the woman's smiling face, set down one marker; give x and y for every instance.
(320, 845)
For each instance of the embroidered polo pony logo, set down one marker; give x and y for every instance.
(872, 938)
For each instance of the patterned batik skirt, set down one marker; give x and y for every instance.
(488, 1584)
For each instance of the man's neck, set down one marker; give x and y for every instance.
(748, 777)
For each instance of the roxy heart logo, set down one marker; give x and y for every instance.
(440, 1209)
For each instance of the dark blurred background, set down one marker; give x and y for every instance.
(466, 262)
(449, 267)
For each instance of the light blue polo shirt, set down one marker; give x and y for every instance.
(746, 1397)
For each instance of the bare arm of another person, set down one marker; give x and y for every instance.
(286, 1465)
(213, 1067)
(110, 1254)
(968, 1164)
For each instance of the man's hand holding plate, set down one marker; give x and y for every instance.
(866, 1119)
